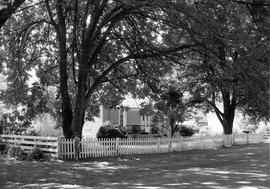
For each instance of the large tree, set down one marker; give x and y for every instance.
(230, 66)
(110, 41)
(89, 49)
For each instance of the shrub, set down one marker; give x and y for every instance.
(3, 147)
(154, 129)
(31, 132)
(17, 153)
(109, 130)
(186, 131)
(135, 129)
(144, 133)
(38, 155)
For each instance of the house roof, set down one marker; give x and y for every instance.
(132, 102)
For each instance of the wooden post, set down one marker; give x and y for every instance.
(117, 146)
(35, 143)
(170, 144)
(247, 138)
(58, 154)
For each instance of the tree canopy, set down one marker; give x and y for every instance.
(94, 51)
(230, 66)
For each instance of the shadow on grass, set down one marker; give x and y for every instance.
(237, 167)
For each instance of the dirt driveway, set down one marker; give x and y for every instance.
(243, 167)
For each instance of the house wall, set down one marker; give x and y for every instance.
(114, 116)
(133, 117)
(111, 115)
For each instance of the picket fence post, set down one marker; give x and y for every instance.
(158, 144)
(170, 144)
(58, 155)
(117, 146)
(35, 143)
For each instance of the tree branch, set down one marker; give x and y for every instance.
(138, 55)
(6, 13)
(51, 15)
(252, 3)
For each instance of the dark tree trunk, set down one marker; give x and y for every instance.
(227, 117)
(229, 106)
(79, 112)
(65, 103)
(172, 123)
(81, 100)
(227, 126)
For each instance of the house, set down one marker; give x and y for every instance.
(127, 115)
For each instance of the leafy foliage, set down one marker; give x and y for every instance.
(109, 130)
(17, 153)
(136, 129)
(154, 129)
(3, 147)
(92, 51)
(38, 155)
(168, 109)
(249, 124)
(7, 8)
(186, 131)
(53, 39)
(16, 122)
(228, 68)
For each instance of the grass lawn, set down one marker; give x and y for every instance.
(243, 167)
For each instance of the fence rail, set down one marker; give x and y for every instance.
(48, 145)
(90, 147)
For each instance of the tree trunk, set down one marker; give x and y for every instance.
(229, 106)
(227, 126)
(78, 119)
(65, 99)
(227, 129)
(80, 107)
(65, 104)
(81, 100)
(172, 128)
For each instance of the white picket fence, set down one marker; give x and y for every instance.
(112, 147)
(90, 147)
(48, 145)
(130, 146)
(239, 139)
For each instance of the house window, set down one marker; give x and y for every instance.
(121, 120)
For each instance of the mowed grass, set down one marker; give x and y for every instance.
(243, 167)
